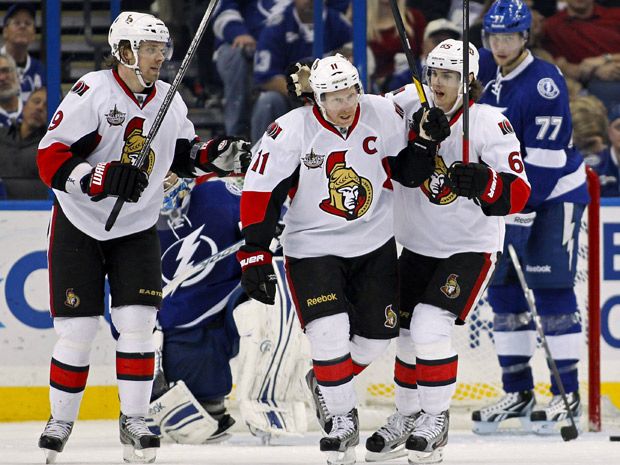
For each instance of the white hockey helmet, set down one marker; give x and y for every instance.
(331, 74)
(136, 28)
(449, 55)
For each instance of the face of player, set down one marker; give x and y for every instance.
(151, 55)
(445, 86)
(20, 29)
(340, 106)
(506, 48)
(9, 86)
(614, 135)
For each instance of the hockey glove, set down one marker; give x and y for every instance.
(222, 155)
(415, 163)
(115, 179)
(433, 123)
(258, 277)
(475, 181)
(297, 82)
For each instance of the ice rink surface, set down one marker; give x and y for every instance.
(96, 442)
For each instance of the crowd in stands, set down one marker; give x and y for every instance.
(251, 43)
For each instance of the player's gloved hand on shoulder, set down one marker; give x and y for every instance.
(431, 124)
(475, 181)
(115, 179)
(297, 82)
(415, 163)
(223, 155)
(258, 277)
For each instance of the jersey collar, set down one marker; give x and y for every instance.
(151, 91)
(518, 70)
(330, 127)
(459, 112)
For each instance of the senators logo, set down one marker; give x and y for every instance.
(350, 195)
(451, 289)
(134, 141)
(273, 130)
(80, 88)
(71, 298)
(390, 317)
(436, 188)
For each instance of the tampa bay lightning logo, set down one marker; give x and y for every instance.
(547, 88)
(185, 253)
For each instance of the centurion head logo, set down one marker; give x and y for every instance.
(134, 141)
(436, 187)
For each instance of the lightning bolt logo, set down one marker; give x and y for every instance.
(187, 250)
(569, 227)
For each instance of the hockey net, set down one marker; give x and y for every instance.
(479, 374)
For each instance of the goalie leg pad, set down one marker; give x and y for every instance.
(177, 415)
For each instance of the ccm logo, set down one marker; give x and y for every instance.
(252, 260)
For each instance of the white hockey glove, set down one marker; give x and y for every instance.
(222, 155)
(297, 82)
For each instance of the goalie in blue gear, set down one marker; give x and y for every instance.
(199, 333)
(533, 95)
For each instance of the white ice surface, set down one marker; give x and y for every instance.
(96, 442)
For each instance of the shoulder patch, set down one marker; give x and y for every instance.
(547, 88)
(80, 88)
(505, 127)
(273, 130)
(399, 110)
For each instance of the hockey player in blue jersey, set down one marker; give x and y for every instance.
(199, 333)
(533, 95)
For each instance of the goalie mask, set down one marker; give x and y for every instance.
(332, 74)
(137, 28)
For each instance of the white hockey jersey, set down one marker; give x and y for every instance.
(101, 120)
(343, 199)
(431, 219)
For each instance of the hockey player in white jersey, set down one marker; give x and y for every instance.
(335, 159)
(450, 223)
(86, 157)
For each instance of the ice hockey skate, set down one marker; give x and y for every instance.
(139, 443)
(549, 419)
(322, 414)
(388, 442)
(341, 441)
(430, 435)
(513, 405)
(54, 438)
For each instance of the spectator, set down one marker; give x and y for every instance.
(18, 32)
(383, 38)
(609, 168)
(18, 151)
(585, 41)
(287, 38)
(589, 127)
(10, 104)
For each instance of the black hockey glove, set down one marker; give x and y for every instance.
(435, 124)
(115, 179)
(415, 163)
(297, 82)
(222, 155)
(258, 277)
(475, 181)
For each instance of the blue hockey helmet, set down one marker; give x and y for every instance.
(506, 16)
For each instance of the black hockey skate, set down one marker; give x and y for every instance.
(513, 405)
(341, 441)
(54, 438)
(388, 442)
(430, 435)
(549, 419)
(139, 443)
(322, 414)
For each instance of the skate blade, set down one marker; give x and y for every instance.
(398, 452)
(546, 428)
(417, 457)
(50, 455)
(485, 427)
(131, 455)
(518, 425)
(341, 458)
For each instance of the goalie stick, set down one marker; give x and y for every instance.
(568, 432)
(161, 113)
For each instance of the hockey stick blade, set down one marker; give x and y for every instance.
(569, 432)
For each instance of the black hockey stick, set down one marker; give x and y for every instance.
(568, 432)
(465, 81)
(415, 76)
(161, 113)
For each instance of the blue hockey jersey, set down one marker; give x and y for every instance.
(534, 97)
(286, 40)
(211, 224)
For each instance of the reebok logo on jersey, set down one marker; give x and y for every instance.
(320, 299)
(538, 268)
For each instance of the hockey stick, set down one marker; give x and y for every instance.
(415, 76)
(465, 81)
(568, 432)
(161, 113)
